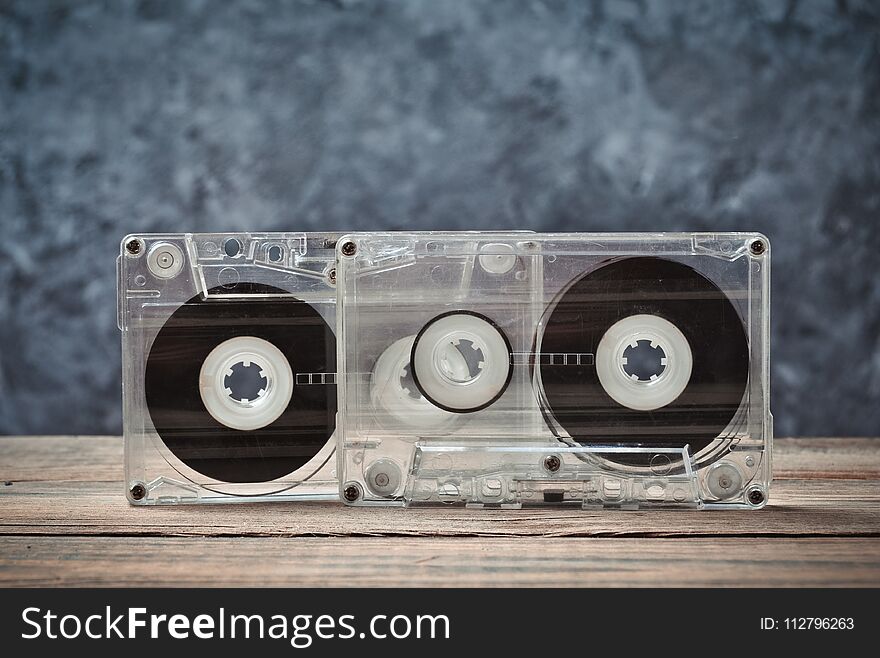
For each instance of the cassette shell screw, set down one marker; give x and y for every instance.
(349, 248)
(133, 246)
(351, 493)
(552, 463)
(756, 496)
(138, 491)
(757, 247)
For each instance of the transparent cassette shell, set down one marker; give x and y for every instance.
(157, 274)
(405, 442)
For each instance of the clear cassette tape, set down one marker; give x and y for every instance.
(229, 366)
(595, 370)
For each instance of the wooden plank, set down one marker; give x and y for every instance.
(99, 458)
(321, 562)
(799, 508)
(826, 459)
(61, 458)
(825, 487)
(64, 521)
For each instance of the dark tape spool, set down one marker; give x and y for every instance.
(575, 323)
(172, 383)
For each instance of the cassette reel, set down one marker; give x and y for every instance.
(510, 369)
(229, 367)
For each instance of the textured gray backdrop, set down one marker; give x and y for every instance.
(120, 117)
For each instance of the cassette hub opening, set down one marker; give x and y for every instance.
(645, 361)
(459, 360)
(246, 382)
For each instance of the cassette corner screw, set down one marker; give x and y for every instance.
(133, 247)
(758, 247)
(552, 463)
(349, 249)
(756, 496)
(351, 493)
(138, 491)
(331, 275)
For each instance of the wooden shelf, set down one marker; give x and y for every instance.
(65, 521)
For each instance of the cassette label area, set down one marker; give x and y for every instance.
(229, 364)
(509, 369)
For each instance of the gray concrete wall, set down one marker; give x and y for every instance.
(120, 117)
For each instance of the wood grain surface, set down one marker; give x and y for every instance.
(65, 521)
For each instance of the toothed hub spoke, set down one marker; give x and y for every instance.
(408, 384)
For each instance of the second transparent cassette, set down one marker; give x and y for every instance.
(507, 369)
